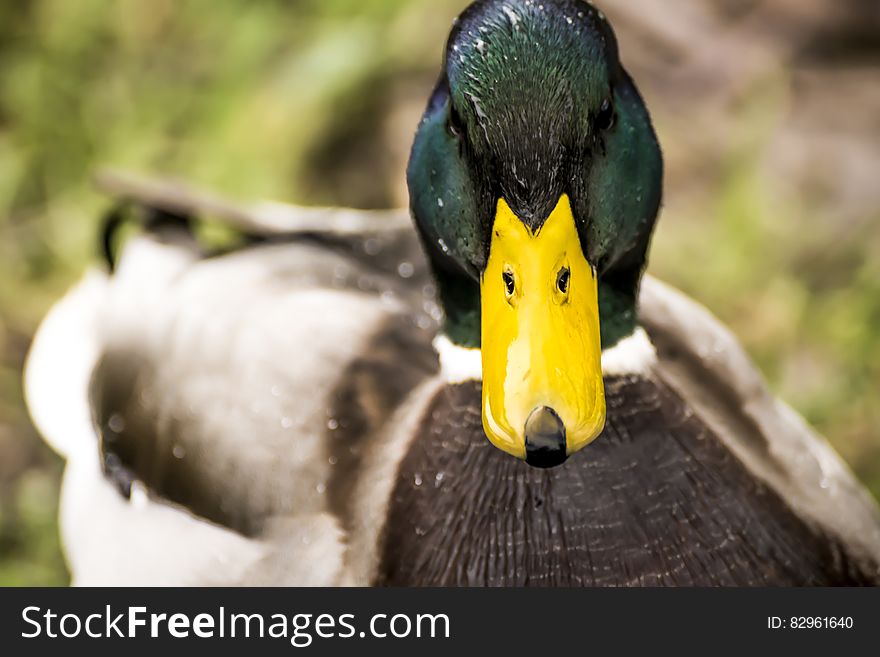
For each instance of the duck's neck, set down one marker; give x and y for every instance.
(460, 296)
(626, 348)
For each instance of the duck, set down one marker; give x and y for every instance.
(500, 397)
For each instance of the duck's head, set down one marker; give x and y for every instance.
(535, 182)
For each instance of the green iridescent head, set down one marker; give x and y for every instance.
(536, 153)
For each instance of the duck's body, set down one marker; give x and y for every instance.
(278, 415)
(255, 434)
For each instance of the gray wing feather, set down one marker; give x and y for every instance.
(704, 362)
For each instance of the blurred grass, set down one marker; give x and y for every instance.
(799, 288)
(315, 101)
(271, 99)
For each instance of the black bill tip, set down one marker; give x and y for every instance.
(545, 439)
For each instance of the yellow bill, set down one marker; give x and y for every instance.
(543, 393)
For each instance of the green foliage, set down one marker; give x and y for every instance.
(801, 292)
(29, 551)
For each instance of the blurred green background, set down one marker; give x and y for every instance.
(769, 113)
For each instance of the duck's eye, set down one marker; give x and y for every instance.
(509, 283)
(606, 116)
(563, 280)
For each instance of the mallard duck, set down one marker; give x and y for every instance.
(299, 411)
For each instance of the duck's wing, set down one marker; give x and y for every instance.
(704, 363)
(94, 516)
(223, 406)
(262, 218)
